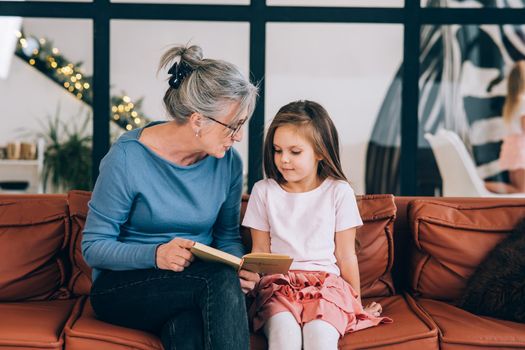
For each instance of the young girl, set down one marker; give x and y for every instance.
(512, 156)
(307, 209)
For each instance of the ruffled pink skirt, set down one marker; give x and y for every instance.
(311, 296)
(512, 155)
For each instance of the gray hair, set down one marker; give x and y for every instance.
(206, 90)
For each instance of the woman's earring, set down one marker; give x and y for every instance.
(197, 134)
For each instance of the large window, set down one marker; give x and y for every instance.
(370, 68)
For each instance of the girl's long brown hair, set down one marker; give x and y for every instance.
(515, 88)
(313, 121)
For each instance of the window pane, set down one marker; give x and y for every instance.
(57, 0)
(136, 48)
(45, 86)
(337, 3)
(353, 70)
(463, 82)
(473, 3)
(190, 2)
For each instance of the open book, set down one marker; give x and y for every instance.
(256, 262)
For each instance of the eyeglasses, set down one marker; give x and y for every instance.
(234, 129)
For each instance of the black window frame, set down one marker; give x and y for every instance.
(412, 16)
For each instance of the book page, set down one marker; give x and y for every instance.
(208, 253)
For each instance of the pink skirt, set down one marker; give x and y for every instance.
(311, 295)
(512, 155)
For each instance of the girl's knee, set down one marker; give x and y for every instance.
(319, 334)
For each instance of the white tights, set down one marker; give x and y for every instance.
(283, 332)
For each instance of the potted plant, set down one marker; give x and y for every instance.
(67, 156)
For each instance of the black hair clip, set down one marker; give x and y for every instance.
(178, 73)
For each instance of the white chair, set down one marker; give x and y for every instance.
(457, 169)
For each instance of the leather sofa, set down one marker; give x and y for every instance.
(415, 258)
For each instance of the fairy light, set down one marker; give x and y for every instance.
(48, 59)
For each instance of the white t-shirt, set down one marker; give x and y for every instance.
(303, 225)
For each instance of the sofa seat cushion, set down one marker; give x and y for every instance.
(85, 332)
(411, 329)
(34, 325)
(459, 329)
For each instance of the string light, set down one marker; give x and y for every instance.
(47, 59)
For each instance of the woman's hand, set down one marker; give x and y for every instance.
(248, 280)
(175, 255)
(374, 309)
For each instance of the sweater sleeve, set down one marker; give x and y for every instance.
(226, 234)
(108, 210)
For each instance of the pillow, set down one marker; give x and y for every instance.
(34, 233)
(80, 281)
(452, 237)
(497, 287)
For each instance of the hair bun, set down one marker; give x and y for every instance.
(192, 55)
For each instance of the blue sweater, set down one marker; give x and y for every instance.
(142, 200)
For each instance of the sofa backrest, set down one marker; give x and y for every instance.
(438, 242)
(451, 237)
(376, 255)
(34, 235)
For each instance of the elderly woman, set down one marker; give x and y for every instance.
(162, 188)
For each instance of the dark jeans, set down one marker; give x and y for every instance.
(202, 307)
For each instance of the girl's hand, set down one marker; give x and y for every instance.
(175, 255)
(374, 309)
(248, 280)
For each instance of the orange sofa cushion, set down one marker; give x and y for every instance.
(451, 240)
(460, 329)
(33, 236)
(34, 325)
(80, 281)
(85, 332)
(412, 329)
(376, 254)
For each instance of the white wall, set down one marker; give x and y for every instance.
(345, 67)
(28, 97)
